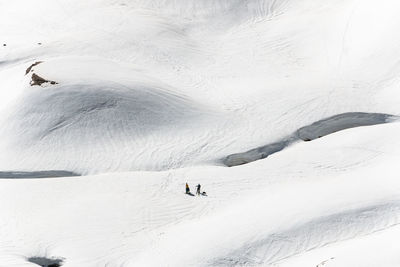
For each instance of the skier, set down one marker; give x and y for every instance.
(187, 189)
(198, 189)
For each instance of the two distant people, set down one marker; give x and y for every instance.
(198, 190)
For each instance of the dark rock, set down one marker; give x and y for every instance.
(37, 80)
(31, 66)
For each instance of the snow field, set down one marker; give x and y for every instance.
(153, 94)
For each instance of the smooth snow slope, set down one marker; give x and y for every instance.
(234, 75)
(151, 94)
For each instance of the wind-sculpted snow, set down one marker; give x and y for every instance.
(137, 98)
(224, 11)
(80, 125)
(95, 109)
(308, 133)
(313, 234)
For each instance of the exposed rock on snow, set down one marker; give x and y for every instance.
(29, 69)
(37, 80)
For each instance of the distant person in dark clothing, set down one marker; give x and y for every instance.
(198, 189)
(187, 189)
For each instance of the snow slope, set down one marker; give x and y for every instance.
(149, 95)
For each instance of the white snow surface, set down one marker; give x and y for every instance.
(152, 94)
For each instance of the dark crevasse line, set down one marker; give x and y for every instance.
(341, 122)
(310, 132)
(46, 262)
(35, 174)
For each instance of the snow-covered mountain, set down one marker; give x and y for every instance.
(285, 111)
